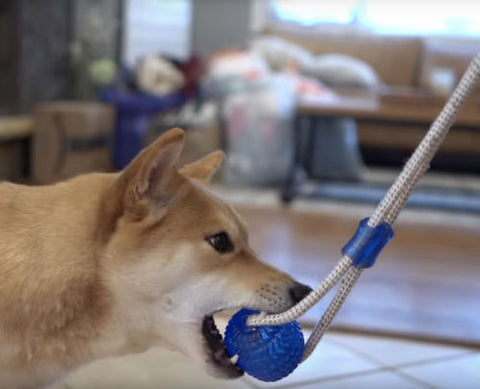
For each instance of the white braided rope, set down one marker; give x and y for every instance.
(387, 211)
(322, 326)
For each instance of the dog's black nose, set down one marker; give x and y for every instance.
(298, 291)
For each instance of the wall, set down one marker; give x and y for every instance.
(43, 52)
(219, 24)
(9, 93)
(185, 26)
(156, 27)
(96, 35)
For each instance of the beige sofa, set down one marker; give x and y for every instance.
(402, 63)
(398, 60)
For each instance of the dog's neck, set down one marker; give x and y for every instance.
(61, 308)
(118, 336)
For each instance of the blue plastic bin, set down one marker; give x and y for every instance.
(133, 112)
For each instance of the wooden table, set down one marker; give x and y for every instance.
(15, 127)
(403, 109)
(401, 105)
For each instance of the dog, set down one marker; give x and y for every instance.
(109, 264)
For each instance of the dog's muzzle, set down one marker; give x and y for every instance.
(217, 352)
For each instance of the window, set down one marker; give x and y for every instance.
(156, 27)
(455, 17)
(308, 12)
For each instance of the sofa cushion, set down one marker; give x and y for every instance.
(339, 70)
(395, 59)
(281, 54)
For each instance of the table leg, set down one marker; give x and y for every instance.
(296, 174)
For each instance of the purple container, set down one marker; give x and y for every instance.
(133, 112)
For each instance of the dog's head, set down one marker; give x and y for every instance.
(178, 254)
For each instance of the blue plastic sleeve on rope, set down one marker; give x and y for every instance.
(364, 247)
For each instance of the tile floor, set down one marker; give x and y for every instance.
(340, 361)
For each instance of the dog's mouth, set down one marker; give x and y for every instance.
(217, 351)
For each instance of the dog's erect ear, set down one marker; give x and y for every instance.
(152, 176)
(203, 169)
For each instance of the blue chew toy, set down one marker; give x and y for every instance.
(268, 353)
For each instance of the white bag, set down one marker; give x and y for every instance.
(259, 132)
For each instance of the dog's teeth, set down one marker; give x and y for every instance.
(234, 359)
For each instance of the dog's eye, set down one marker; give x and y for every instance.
(221, 242)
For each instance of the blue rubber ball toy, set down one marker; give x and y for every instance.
(268, 353)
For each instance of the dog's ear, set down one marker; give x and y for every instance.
(203, 169)
(152, 177)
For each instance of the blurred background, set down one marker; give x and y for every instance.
(317, 105)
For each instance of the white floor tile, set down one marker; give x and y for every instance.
(462, 372)
(328, 360)
(391, 352)
(157, 368)
(369, 381)
(336, 356)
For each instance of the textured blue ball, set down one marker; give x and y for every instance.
(268, 353)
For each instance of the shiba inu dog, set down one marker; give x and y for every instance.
(109, 264)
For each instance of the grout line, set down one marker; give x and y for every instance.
(436, 360)
(331, 378)
(357, 375)
(379, 367)
(404, 364)
(382, 367)
(414, 379)
(398, 368)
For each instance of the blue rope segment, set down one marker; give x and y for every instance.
(363, 248)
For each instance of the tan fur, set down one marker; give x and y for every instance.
(111, 264)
